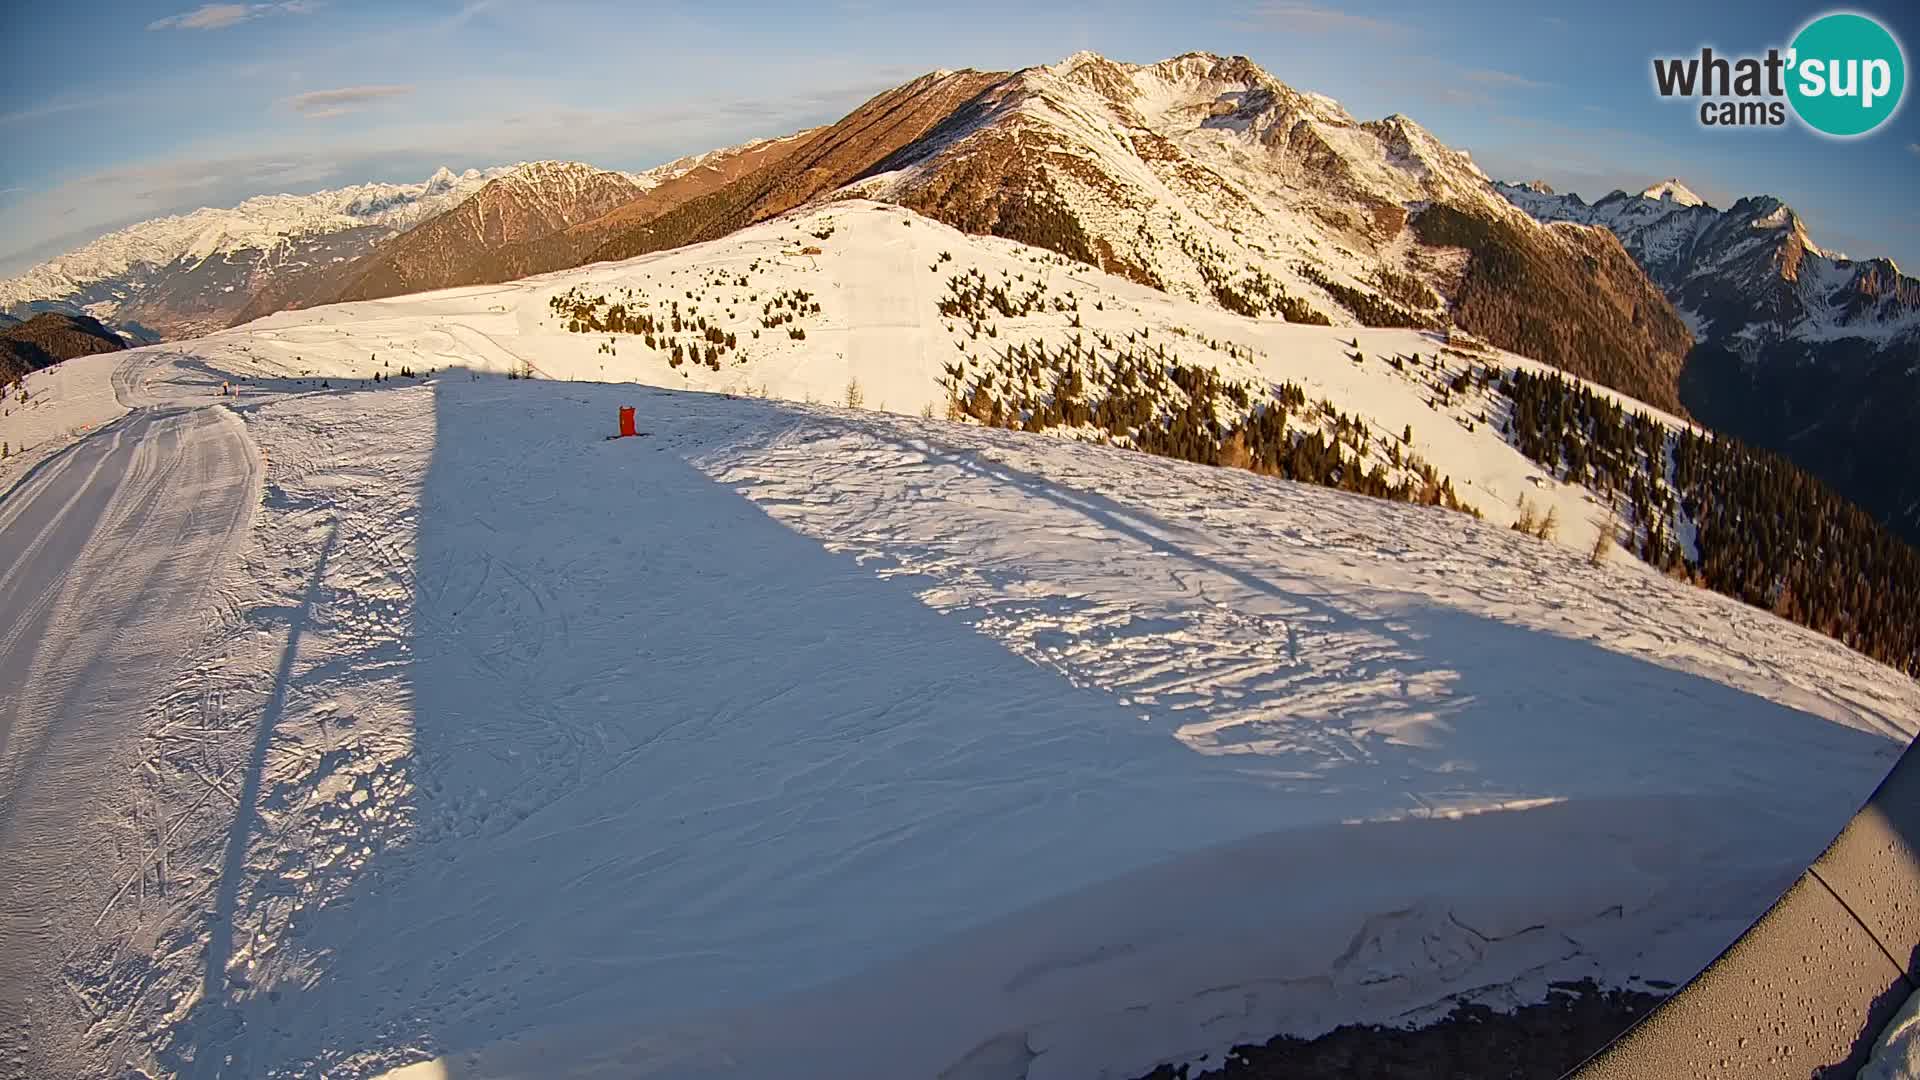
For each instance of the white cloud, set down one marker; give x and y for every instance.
(324, 104)
(221, 16)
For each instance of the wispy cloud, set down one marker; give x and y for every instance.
(1423, 82)
(467, 12)
(1914, 146)
(1456, 95)
(1308, 19)
(55, 108)
(221, 16)
(324, 104)
(1493, 77)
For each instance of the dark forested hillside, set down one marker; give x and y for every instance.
(48, 338)
(1844, 410)
(1528, 299)
(1763, 530)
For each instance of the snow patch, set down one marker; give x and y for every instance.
(1673, 191)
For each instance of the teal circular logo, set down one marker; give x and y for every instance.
(1847, 76)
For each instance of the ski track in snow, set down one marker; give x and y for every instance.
(790, 740)
(107, 550)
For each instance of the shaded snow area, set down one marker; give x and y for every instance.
(787, 740)
(795, 740)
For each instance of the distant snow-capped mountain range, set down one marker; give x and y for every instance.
(108, 271)
(187, 274)
(1744, 276)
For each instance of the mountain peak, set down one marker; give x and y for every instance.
(1672, 190)
(1084, 56)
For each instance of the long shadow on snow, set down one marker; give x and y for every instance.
(670, 757)
(246, 814)
(1682, 744)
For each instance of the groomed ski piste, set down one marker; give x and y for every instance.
(796, 739)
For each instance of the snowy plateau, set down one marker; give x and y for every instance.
(792, 738)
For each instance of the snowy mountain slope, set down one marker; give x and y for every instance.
(1208, 177)
(1201, 175)
(855, 300)
(880, 277)
(862, 301)
(64, 402)
(790, 740)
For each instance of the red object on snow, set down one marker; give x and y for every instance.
(626, 421)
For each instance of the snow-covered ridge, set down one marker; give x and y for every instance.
(563, 175)
(680, 166)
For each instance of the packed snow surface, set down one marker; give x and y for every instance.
(789, 739)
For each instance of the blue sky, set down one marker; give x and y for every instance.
(121, 111)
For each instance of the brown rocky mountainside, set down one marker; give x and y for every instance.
(557, 240)
(685, 180)
(695, 199)
(819, 162)
(48, 338)
(453, 249)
